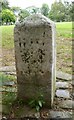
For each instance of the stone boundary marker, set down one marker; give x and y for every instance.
(35, 58)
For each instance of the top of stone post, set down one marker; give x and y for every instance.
(35, 20)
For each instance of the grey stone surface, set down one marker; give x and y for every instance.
(9, 83)
(67, 104)
(59, 114)
(35, 57)
(7, 68)
(62, 84)
(63, 93)
(63, 76)
(10, 73)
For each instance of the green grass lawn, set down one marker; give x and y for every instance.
(7, 36)
(64, 29)
(64, 46)
(63, 43)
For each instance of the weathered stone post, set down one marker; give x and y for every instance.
(35, 58)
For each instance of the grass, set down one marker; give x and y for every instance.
(63, 41)
(64, 46)
(64, 55)
(7, 36)
(64, 29)
(64, 25)
(7, 97)
(7, 100)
